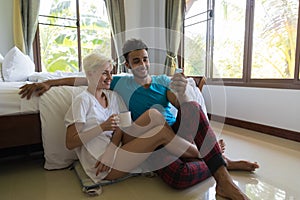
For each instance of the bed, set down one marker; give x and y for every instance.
(19, 118)
(20, 123)
(40, 120)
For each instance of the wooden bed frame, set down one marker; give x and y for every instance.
(23, 130)
(20, 130)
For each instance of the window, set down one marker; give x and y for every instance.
(251, 42)
(69, 30)
(229, 32)
(196, 38)
(274, 39)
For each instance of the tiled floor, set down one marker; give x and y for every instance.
(277, 178)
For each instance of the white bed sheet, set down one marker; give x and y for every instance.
(11, 102)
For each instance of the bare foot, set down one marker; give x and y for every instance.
(222, 145)
(225, 187)
(230, 191)
(241, 165)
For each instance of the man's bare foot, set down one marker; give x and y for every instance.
(222, 145)
(225, 187)
(230, 191)
(241, 165)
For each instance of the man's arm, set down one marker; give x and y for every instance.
(179, 86)
(173, 99)
(40, 88)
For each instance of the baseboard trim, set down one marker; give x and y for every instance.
(274, 131)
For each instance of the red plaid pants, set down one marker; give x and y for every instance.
(191, 124)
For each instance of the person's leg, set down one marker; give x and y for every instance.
(136, 151)
(225, 187)
(191, 124)
(180, 174)
(243, 165)
(133, 153)
(153, 118)
(194, 123)
(149, 119)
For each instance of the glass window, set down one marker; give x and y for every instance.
(94, 27)
(229, 35)
(63, 42)
(195, 39)
(274, 39)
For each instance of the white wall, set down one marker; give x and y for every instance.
(6, 26)
(273, 107)
(145, 20)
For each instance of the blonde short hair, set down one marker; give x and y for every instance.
(94, 61)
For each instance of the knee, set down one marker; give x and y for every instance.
(156, 117)
(191, 105)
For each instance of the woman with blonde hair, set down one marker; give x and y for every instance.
(93, 131)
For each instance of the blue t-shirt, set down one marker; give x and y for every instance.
(139, 99)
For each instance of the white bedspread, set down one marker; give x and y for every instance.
(11, 103)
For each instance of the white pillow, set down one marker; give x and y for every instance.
(16, 66)
(53, 106)
(195, 94)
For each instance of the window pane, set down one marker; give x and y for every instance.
(229, 32)
(94, 27)
(58, 37)
(58, 8)
(195, 39)
(274, 39)
(58, 49)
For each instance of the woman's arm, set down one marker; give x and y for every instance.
(117, 137)
(76, 138)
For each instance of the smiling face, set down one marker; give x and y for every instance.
(101, 77)
(138, 62)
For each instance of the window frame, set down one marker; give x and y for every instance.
(37, 49)
(246, 80)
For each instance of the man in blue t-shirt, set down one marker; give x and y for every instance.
(140, 98)
(143, 91)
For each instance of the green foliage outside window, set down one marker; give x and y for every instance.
(59, 41)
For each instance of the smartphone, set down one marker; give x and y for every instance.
(178, 71)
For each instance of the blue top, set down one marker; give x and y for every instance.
(139, 99)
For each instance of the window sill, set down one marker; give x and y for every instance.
(263, 83)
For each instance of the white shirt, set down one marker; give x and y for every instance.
(86, 109)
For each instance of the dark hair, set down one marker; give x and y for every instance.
(132, 45)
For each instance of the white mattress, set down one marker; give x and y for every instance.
(11, 102)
